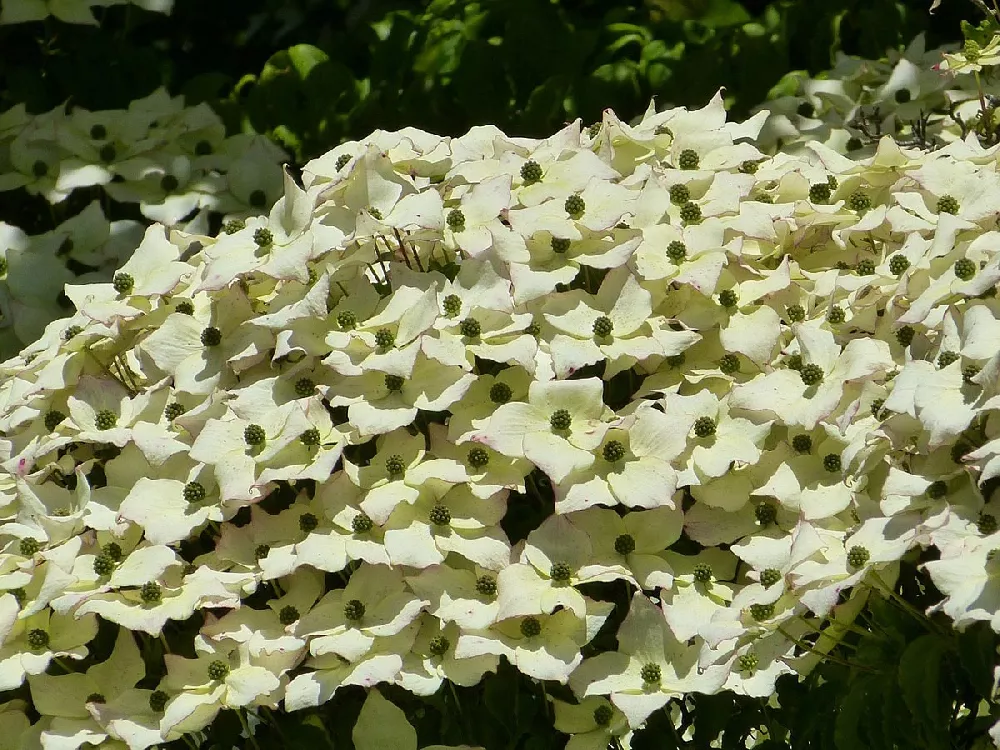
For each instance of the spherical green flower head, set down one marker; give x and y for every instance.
(455, 220)
(603, 327)
(394, 465)
(531, 172)
(969, 372)
(354, 610)
(254, 435)
(189, 569)
(486, 585)
(603, 715)
(394, 382)
(651, 674)
(613, 451)
(679, 194)
(107, 153)
(676, 251)
(185, 307)
(902, 96)
(796, 313)
(346, 320)
(39, 169)
(704, 427)
(831, 180)
(859, 201)
(761, 611)
(257, 199)
(470, 328)
(211, 336)
(811, 374)
(766, 514)
(946, 358)
(531, 627)
(764, 198)
(560, 245)
(749, 166)
(150, 592)
(288, 615)
(702, 572)
(105, 419)
(384, 339)
(500, 393)
(114, 551)
(947, 205)
(663, 130)
(53, 419)
(194, 492)
(158, 701)
(233, 226)
(691, 213)
(477, 458)
(802, 444)
(38, 639)
(304, 387)
(729, 364)
(561, 420)
(857, 556)
(452, 305)
(593, 129)
(311, 437)
(865, 267)
(688, 159)
(71, 332)
(375, 213)
(341, 161)
(203, 148)
(440, 515)
(747, 662)
(842, 265)
(98, 132)
(218, 670)
(877, 405)
(438, 645)
(308, 522)
(831, 462)
(263, 237)
(29, 546)
(625, 544)
(575, 206)
(806, 109)
(937, 490)
(769, 577)
(820, 192)
(169, 183)
(123, 283)
(836, 314)
(174, 410)
(103, 565)
(560, 572)
(904, 335)
(965, 269)
(898, 264)
(987, 524)
(728, 298)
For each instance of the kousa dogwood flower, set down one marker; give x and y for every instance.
(31, 642)
(472, 412)
(487, 472)
(264, 546)
(698, 590)
(458, 592)
(556, 429)
(937, 397)
(544, 646)
(967, 575)
(592, 724)
(432, 660)
(649, 668)
(78, 702)
(449, 520)
(629, 547)
(329, 672)
(255, 178)
(162, 508)
(349, 621)
(785, 394)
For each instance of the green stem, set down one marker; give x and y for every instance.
(828, 657)
(246, 728)
(905, 605)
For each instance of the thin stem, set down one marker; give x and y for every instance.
(246, 728)
(166, 646)
(836, 660)
(905, 605)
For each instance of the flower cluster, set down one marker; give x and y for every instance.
(174, 162)
(743, 387)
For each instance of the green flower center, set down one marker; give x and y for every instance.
(308, 522)
(531, 627)
(575, 206)
(438, 645)
(123, 283)
(394, 465)
(254, 435)
(625, 544)
(802, 444)
(211, 336)
(452, 305)
(288, 615)
(354, 610)
(218, 670)
(560, 572)
(561, 420)
(769, 577)
(194, 492)
(857, 556)
(688, 159)
(651, 674)
(150, 593)
(477, 458)
(362, 524)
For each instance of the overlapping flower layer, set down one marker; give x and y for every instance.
(748, 385)
(174, 162)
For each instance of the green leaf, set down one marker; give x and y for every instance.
(921, 685)
(977, 657)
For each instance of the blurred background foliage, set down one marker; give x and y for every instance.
(312, 73)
